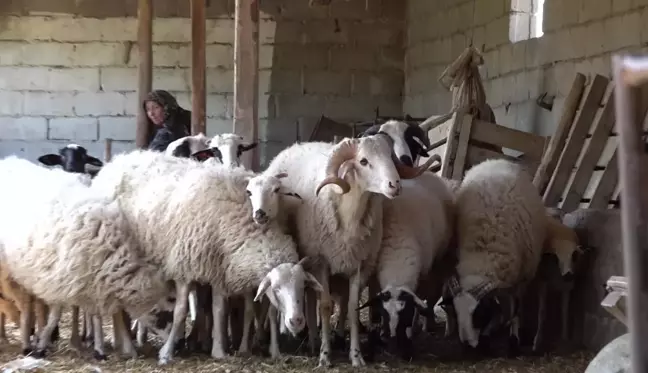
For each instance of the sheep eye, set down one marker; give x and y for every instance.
(248, 193)
(276, 190)
(364, 161)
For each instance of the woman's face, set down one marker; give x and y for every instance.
(155, 112)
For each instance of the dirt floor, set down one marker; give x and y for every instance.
(65, 359)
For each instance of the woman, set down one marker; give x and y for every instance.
(171, 121)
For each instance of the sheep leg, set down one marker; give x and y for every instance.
(179, 315)
(565, 313)
(261, 316)
(542, 300)
(325, 316)
(75, 338)
(354, 296)
(40, 310)
(89, 328)
(339, 341)
(116, 336)
(311, 319)
(219, 305)
(99, 351)
(46, 333)
(248, 318)
(3, 332)
(274, 336)
(514, 335)
(141, 334)
(126, 343)
(26, 320)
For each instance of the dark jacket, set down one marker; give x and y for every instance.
(177, 121)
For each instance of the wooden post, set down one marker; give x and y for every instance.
(198, 66)
(246, 71)
(145, 68)
(634, 209)
(108, 150)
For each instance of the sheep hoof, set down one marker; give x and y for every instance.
(324, 361)
(99, 356)
(356, 358)
(218, 354)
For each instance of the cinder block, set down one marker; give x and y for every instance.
(132, 103)
(458, 44)
(99, 104)
(280, 81)
(331, 31)
(416, 56)
(377, 33)
(99, 54)
(534, 83)
(621, 31)
(172, 30)
(594, 43)
(489, 10)
(600, 10)
(577, 35)
(359, 108)
(12, 52)
(619, 6)
(47, 103)
(170, 55)
(286, 32)
(519, 27)
(327, 82)
(291, 106)
(280, 130)
(218, 80)
(217, 126)
(220, 55)
(11, 103)
(563, 49)
(48, 54)
(524, 5)
(267, 106)
(506, 58)
(393, 10)
(63, 29)
(644, 25)
(289, 9)
(495, 93)
(292, 56)
(492, 65)
(216, 106)
(24, 128)
(119, 29)
(73, 129)
(122, 79)
(49, 79)
(602, 65)
(117, 128)
(345, 58)
(519, 55)
(222, 30)
(533, 52)
(392, 58)
(172, 79)
(388, 84)
(352, 9)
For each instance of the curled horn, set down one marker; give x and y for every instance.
(482, 290)
(434, 121)
(343, 151)
(407, 172)
(421, 303)
(420, 134)
(245, 148)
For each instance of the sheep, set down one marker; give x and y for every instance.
(561, 254)
(344, 228)
(417, 228)
(229, 147)
(214, 239)
(68, 246)
(410, 141)
(501, 228)
(188, 145)
(72, 158)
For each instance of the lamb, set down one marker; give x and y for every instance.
(214, 240)
(345, 229)
(230, 147)
(501, 228)
(67, 246)
(72, 158)
(561, 255)
(418, 226)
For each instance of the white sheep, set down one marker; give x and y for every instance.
(230, 147)
(344, 228)
(188, 145)
(214, 240)
(417, 228)
(68, 246)
(501, 227)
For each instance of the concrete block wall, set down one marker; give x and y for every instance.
(579, 36)
(68, 72)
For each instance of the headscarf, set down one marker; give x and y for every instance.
(174, 115)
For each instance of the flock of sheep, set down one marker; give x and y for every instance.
(154, 237)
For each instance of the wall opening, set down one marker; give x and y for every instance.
(526, 20)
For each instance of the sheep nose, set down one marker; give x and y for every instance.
(396, 186)
(297, 321)
(260, 216)
(568, 277)
(407, 160)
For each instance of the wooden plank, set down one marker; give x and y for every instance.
(198, 67)
(246, 76)
(108, 150)
(575, 141)
(477, 155)
(144, 68)
(439, 134)
(447, 163)
(501, 136)
(462, 150)
(557, 141)
(591, 155)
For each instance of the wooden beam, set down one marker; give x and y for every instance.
(145, 68)
(246, 72)
(198, 66)
(634, 213)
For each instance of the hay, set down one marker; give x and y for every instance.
(62, 358)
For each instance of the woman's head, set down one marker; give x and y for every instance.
(159, 106)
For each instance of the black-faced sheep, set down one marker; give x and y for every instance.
(72, 158)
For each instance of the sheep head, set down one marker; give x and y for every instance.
(284, 286)
(409, 140)
(72, 158)
(265, 193)
(231, 146)
(562, 241)
(370, 164)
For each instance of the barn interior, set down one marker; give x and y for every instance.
(525, 80)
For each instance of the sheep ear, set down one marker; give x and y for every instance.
(375, 300)
(93, 161)
(50, 159)
(263, 287)
(292, 195)
(313, 283)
